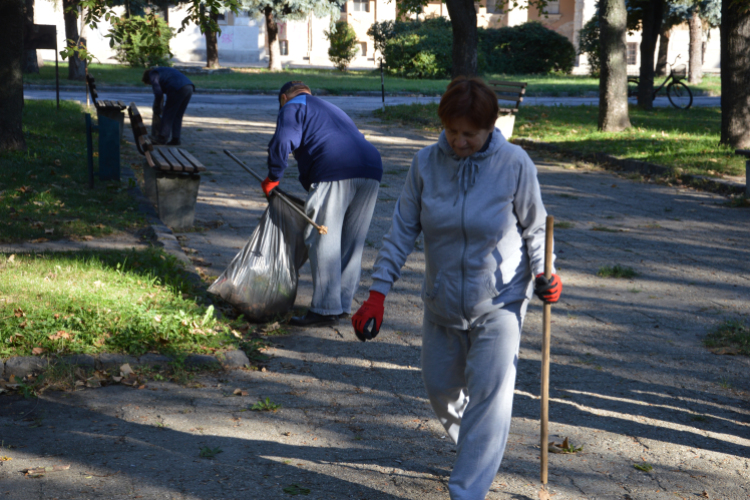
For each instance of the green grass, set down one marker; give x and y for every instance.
(265, 405)
(730, 337)
(104, 301)
(44, 193)
(336, 82)
(687, 141)
(616, 271)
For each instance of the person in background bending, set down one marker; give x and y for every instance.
(178, 89)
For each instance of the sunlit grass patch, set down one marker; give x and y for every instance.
(616, 271)
(104, 301)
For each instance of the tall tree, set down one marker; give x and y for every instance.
(212, 42)
(653, 14)
(700, 15)
(735, 73)
(695, 25)
(661, 59)
(11, 90)
(613, 78)
(276, 11)
(465, 37)
(30, 63)
(76, 65)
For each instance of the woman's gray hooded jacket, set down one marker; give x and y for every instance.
(483, 222)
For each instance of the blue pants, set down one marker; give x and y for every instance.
(174, 110)
(470, 376)
(345, 208)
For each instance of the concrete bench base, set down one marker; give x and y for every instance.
(173, 194)
(505, 123)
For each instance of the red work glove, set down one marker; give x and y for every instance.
(268, 185)
(548, 291)
(372, 309)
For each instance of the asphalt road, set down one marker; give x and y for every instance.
(347, 103)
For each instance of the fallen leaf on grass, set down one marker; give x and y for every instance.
(12, 258)
(125, 370)
(565, 447)
(61, 334)
(18, 312)
(37, 351)
(544, 494)
(43, 470)
(5, 459)
(240, 392)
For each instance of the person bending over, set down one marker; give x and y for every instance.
(178, 89)
(341, 171)
(477, 200)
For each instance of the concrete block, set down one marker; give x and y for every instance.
(202, 360)
(154, 360)
(505, 123)
(109, 361)
(176, 198)
(234, 359)
(22, 366)
(80, 360)
(149, 183)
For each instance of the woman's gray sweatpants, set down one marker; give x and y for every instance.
(470, 376)
(345, 208)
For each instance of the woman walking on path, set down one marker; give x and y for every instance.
(477, 200)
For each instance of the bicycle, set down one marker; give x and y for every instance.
(678, 93)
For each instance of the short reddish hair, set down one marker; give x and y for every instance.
(470, 98)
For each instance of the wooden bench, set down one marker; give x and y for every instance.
(512, 92)
(102, 104)
(170, 173)
(111, 123)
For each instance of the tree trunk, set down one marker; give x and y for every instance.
(661, 61)
(696, 48)
(76, 66)
(465, 38)
(212, 45)
(11, 91)
(653, 12)
(735, 73)
(274, 50)
(30, 63)
(613, 77)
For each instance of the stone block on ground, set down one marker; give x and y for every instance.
(109, 361)
(176, 197)
(202, 361)
(233, 359)
(85, 360)
(23, 366)
(154, 360)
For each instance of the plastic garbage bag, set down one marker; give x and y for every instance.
(262, 279)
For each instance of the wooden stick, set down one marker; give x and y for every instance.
(546, 334)
(321, 229)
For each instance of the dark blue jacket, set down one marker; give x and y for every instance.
(167, 81)
(325, 141)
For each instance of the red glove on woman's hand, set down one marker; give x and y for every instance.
(548, 291)
(268, 185)
(370, 312)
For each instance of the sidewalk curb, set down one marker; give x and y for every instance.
(715, 185)
(23, 366)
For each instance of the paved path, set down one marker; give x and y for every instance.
(630, 380)
(350, 103)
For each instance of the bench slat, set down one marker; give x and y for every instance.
(509, 90)
(193, 161)
(177, 162)
(187, 166)
(121, 104)
(162, 161)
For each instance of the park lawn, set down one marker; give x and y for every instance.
(337, 82)
(684, 140)
(44, 193)
(130, 302)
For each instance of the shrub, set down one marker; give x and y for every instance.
(343, 45)
(143, 41)
(415, 49)
(589, 45)
(525, 49)
(420, 49)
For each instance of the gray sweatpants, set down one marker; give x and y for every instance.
(345, 208)
(470, 376)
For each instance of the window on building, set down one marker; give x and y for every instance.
(284, 47)
(632, 53)
(361, 5)
(492, 7)
(221, 17)
(363, 49)
(553, 7)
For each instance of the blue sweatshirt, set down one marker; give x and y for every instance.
(167, 81)
(325, 142)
